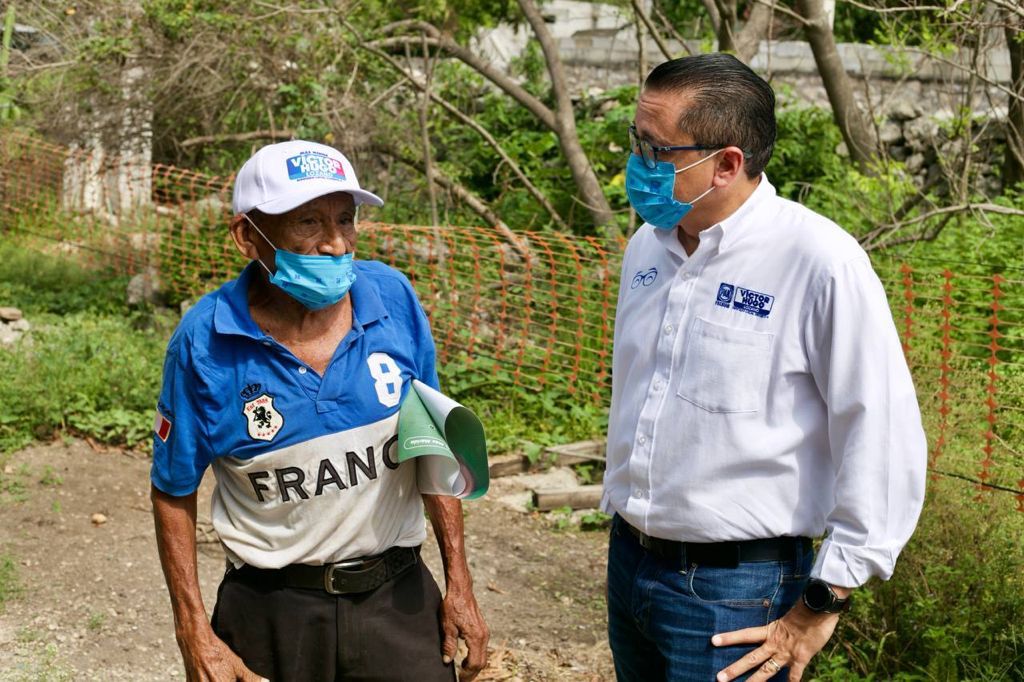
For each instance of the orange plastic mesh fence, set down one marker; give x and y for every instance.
(537, 312)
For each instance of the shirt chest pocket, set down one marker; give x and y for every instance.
(725, 369)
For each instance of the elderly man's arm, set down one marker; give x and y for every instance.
(205, 656)
(460, 614)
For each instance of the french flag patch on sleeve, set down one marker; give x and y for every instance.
(162, 426)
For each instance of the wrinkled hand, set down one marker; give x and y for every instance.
(209, 659)
(461, 618)
(789, 641)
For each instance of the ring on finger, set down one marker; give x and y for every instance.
(771, 666)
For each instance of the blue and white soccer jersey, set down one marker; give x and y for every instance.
(306, 466)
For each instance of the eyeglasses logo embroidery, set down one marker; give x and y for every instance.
(644, 278)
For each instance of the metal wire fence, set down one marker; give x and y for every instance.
(535, 308)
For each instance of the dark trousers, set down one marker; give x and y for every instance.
(391, 634)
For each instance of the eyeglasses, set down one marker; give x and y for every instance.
(649, 153)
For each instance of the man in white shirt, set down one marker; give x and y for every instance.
(760, 398)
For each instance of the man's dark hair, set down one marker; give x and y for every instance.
(730, 104)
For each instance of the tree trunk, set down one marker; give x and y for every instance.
(749, 39)
(591, 194)
(713, 14)
(726, 25)
(1013, 167)
(852, 122)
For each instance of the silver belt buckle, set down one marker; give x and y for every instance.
(341, 565)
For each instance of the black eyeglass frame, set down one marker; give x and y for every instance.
(649, 152)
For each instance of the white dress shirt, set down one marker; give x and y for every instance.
(759, 390)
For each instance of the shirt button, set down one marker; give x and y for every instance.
(668, 329)
(266, 343)
(642, 439)
(302, 370)
(658, 385)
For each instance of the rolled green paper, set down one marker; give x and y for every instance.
(447, 441)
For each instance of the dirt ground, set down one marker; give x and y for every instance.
(89, 601)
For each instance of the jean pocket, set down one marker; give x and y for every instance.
(725, 369)
(749, 584)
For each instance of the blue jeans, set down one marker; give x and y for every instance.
(661, 618)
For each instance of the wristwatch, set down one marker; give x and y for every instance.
(821, 598)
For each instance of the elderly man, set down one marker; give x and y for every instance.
(760, 398)
(287, 382)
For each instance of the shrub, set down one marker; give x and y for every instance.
(952, 609)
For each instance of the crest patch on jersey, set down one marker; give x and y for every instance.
(263, 419)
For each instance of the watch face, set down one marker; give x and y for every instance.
(817, 595)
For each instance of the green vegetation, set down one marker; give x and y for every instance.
(13, 486)
(89, 365)
(96, 621)
(952, 609)
(8, 579)
(50, 477)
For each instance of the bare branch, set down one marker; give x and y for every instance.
(923, 236)
(500, 79)
(40, 67)
(479, 130)
(672, 29)
(559, 83)
(561, 120)
(870, 241)
(782, 9)
(424, 111)
(587, 184)
(896, 10)
(240, 137)
(712, 9)
(642, 15)
(967, 69)
(469, 198)
(1011, 6)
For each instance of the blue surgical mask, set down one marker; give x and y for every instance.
(314, 281)
(651, 191)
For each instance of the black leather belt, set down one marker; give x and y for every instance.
(344, 577)
(722, 554)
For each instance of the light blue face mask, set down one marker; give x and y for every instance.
(314, 281)
(651, 191)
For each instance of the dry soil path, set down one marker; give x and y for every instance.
(90, 602)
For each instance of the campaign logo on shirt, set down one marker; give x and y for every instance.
(744, 300)
(263, 419)
(725, 292)
(753, 302)
(644, 278)
(314, 165)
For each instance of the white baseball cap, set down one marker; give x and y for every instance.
(283, 176)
